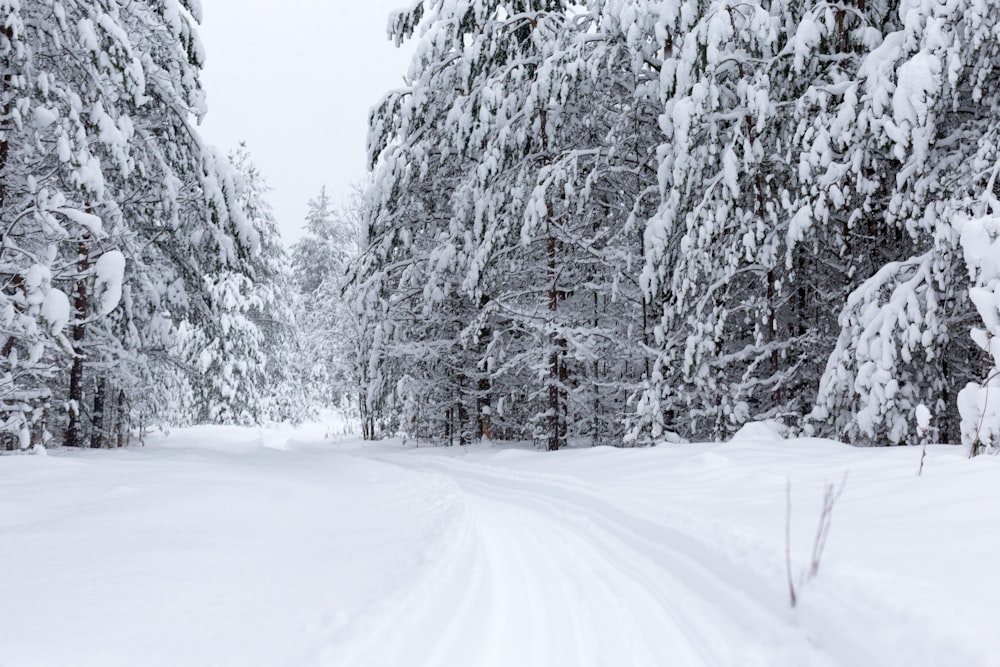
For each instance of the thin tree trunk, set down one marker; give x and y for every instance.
(6, 99)
(366, 429)
(462, 412)
(555, 439)
(596, 370)
(74, 434)
(563, 383)
(555, 413)
(484, 408)
(97, 435)
(120, 424)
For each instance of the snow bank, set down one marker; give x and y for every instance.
(203, 548)
(762, 430)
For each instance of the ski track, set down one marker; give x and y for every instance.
(550, 561)
(544, 561)
(372, 635)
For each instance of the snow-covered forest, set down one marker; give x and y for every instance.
(629, 221)
(603, 223)
(720, 254)
(143, 277)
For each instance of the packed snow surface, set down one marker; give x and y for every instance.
(222, 546)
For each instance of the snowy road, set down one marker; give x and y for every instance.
(555, 573)
(229, 547)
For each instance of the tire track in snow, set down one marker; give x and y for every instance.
(575, 589)
(658, 619)
(712, 610)
(526, 577)
(369, 637)
(834, 615)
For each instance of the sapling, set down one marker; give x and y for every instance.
(830, 496)
(788, 540)
(923, 433)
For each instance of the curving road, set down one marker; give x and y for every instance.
(218, 546)
(544, 570)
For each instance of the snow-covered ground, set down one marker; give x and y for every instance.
(220, 546)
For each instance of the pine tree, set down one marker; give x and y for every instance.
(329, 330)
(921, 112)
(757, 211)
(99, 163)
(505, 237)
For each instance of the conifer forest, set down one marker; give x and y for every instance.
(639, 333)
(615, 222)
(630, 221)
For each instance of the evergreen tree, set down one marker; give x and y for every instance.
(330, 335)
(624, 219)
(246, 372)
(122, 223)
(920, 116)
(505, 345)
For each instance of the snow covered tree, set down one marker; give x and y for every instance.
(329, 331)
(109, 194)
(795, 172)
(736, 338)
(331, 241)
(527, 202)
(245, 365)
(60, 113)
(632, 218)
(406, 279)
(918, 117)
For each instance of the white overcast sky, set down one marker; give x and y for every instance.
(295, 80)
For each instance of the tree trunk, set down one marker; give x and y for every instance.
(448, 417)
(363, 414)
(6, 100)
(120, 424)
(484, 400)
(97, 435)
(463, 413)
(555, 372)
(595, 436)
(74, 435)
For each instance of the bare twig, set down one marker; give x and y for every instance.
(978, 446)
(788, 539)
(831, 494)
(924, 433)
(830, 497)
